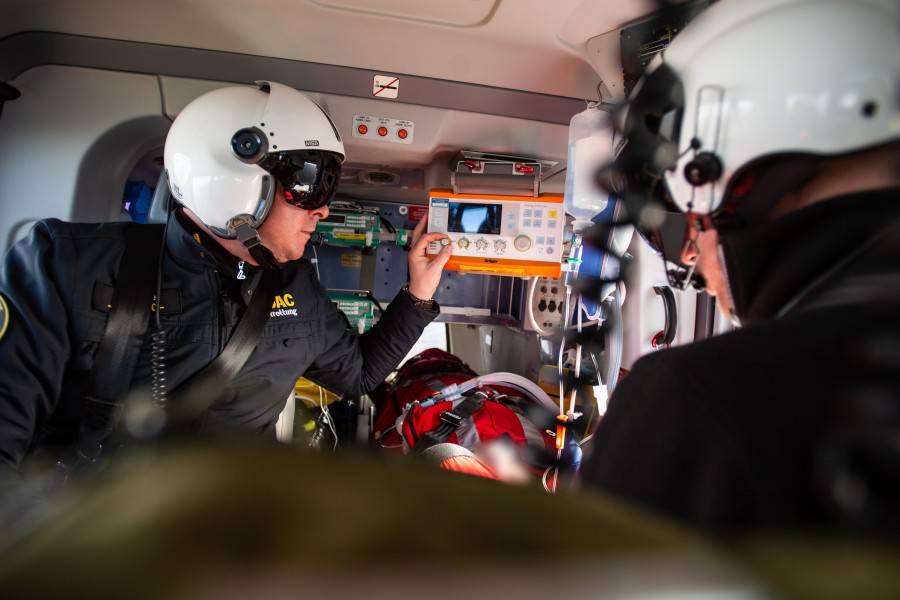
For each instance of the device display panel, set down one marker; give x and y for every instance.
(467, 217)
(334, 218)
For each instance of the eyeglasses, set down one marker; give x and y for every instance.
(309, 178)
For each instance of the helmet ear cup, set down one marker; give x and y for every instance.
(249, 145)
(706, 167)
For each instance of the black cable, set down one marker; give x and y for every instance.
(386, 224)
(372, 299)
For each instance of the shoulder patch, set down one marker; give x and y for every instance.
(4, 316)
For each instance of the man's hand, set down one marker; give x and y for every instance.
(425, 273)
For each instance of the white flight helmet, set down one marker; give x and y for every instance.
(748, 81)
(227, 148)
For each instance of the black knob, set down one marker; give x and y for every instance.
(249, 145)
(704, 168)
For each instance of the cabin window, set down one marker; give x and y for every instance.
(138, 193)
(434, 336)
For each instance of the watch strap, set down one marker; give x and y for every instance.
(419, 302)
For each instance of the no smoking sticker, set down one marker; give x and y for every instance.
(386, 86)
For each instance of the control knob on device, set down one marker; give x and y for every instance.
(522, 242)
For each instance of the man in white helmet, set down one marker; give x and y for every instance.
(774, 127)
(253, 169)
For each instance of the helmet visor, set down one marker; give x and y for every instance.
(309, 178)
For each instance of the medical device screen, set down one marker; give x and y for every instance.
(466, 217)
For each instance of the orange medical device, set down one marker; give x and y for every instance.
(499, 235)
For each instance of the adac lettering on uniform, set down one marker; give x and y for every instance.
(283, 306)
(4, 316)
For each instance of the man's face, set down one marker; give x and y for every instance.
(287, 228)
(704, 253)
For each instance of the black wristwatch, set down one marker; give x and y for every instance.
(423, 304)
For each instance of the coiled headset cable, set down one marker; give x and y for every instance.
(158, 344)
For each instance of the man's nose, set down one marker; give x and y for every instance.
(689, 252)
(321, 212)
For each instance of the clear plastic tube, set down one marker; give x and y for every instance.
(526, 384)
(454, 392)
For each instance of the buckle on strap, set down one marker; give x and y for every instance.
(451, 418)
(247, 235)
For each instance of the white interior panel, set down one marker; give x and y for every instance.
(527, 45)
(60, 115)
(643, 313)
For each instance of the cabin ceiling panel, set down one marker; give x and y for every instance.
(528, 45)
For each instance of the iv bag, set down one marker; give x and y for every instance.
(591, 135)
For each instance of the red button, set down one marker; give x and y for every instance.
(402, 133)
(382, 131)
(362, 129)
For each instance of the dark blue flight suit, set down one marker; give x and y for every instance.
(57, 283)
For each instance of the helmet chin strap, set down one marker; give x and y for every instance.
(249, 239)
